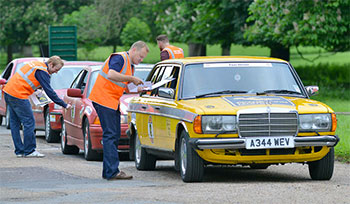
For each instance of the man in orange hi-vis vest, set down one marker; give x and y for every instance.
(24, 82)
(110, 85)
(168, 51)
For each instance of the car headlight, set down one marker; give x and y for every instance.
(315, 122)
(216, 124)
(123, 119)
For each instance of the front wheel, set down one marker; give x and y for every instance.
(323, 168)
(143, 160)
(89, 153)
(65, 148)
(50, 134)
(191, 165)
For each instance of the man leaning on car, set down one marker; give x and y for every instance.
(110, 85)
(30, 77)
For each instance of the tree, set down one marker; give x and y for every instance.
(90, 27)
(135, 30)
(177, 19)
(26, 22)
(222, 22)
(116, 14)
(280, 24)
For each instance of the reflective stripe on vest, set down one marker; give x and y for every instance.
(25, 76)
(170, 52)
(104, 75)
(174, 52)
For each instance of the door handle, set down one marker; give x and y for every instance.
(157, 107)
(144, 107)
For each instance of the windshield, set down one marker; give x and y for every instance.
(64, 78)
(20, 65)
(92, 80)
(141, 73)
(202, 79)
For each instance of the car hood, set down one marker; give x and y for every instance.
(233, 104)
(124, 101)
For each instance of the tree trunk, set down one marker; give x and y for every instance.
(9, 53)
(281, 52)
(225, 50)
(114, 48)
(44, 50)
(197, 49)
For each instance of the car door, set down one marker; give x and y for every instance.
(158, 109)
(71, 116)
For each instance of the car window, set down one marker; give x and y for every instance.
(141, 73)
(6, 74)
(92, 81)
(76, 82)
(250, 77)
(64, 78)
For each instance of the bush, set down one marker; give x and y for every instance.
(135, 30)
(333, 80)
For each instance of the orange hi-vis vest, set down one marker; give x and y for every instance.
(107, 92)
(23, 83)
(174, 52)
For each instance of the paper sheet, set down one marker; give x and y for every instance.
(147, 85)
(39, 98)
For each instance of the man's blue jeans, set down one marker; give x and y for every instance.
(21, 113)
(110, 123)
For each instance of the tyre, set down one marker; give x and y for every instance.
(323, 168)
(7, 118)
(143, 160)
(65, 148)
(259, 166)
(50, 135)
(89, 153)
(1, 120)
(191, 165)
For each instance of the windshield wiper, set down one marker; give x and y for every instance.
(278, 91)
(220, 92)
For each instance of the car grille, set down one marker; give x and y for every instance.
(267, 124)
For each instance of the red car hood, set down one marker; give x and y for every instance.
(124, 101)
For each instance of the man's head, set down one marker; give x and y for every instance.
(55, 64)
(162, 41)
(138, 51)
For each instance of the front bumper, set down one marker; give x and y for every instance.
(239, 143)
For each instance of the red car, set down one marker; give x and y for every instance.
(81, 127)
(8, 72)
(48, 117)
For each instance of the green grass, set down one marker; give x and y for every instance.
(342, 150)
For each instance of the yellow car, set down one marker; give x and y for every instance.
(230, 110)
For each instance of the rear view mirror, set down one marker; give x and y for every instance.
(2, 81)
(74, 93)
(166, 92)
(311, 90)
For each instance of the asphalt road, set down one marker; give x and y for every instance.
(59, 178)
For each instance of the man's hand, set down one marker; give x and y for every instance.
(136, 81)
(68, 106)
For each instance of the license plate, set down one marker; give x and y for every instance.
(269, 142)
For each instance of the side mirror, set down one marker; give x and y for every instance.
(166, 92)
(311, 90)
(2, 81)
(74, 93)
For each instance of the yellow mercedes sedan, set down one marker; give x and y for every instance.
(253, 111)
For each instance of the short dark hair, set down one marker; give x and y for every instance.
(162, 38)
